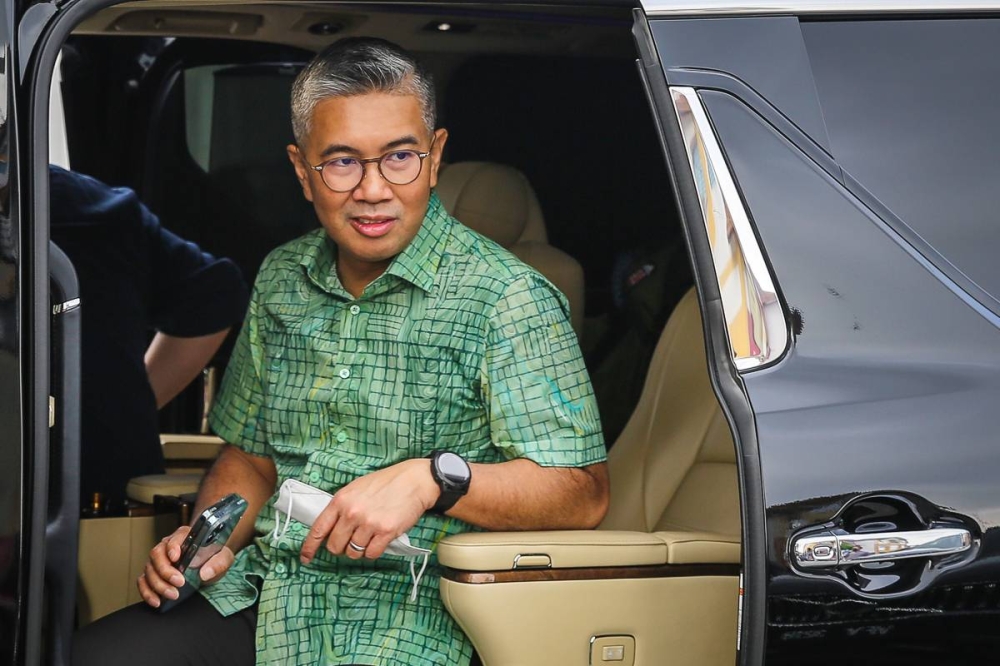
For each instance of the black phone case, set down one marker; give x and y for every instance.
(207, 537)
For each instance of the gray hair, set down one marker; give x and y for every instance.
(357, 66)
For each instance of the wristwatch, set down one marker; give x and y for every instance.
(452, 474)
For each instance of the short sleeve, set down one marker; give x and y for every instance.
(193, 292)
(538, 393)
(237, 417)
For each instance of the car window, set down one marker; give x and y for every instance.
(199, 95)
(911, 108)
(58, 145)
(237, 115)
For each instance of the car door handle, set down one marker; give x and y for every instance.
(828, 550)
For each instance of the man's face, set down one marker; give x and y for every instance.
(376, 220)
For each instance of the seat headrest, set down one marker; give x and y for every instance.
(493, 199)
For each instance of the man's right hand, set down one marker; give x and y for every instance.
(160, 579)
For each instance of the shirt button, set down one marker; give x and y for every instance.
(344, 373)
(341, 436)
(314, 476)
(279, 568)
(355, 309)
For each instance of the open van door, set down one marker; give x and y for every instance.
(723, 272)
(39, 368)
(857, 355)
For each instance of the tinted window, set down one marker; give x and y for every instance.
(238, 115)
(913, 112)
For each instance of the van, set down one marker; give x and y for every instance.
(775, 223)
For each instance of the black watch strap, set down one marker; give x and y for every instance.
(447, 500)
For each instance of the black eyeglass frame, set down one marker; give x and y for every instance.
(378, 165)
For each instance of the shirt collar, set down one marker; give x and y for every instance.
(319, 259)
(417, 263)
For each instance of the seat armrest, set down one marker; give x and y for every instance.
(146, 488)
(700, 547)
(190, 447)
(500, 551)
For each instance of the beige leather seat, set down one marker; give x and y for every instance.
(499, 202)
(674, 465)
(660, 576)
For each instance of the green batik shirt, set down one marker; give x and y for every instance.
(457, 346)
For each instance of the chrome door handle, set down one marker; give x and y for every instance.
(828, 550)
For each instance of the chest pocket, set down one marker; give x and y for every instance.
(441, 387)
(298, 386)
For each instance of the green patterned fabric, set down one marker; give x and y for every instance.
(457, 346)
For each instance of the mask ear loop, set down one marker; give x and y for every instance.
(417, 575)
(276, 535)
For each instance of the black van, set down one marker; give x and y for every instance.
(775, 221)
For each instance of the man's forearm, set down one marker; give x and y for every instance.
(522, 495)
(234, 471)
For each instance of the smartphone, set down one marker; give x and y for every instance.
(207, 537)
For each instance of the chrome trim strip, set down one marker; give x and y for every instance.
(805, 7)
(60, 308)
(755, 321)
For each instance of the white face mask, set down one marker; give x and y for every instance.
(304, 503)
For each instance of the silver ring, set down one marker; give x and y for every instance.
(355, 547)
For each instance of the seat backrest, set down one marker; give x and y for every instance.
(499, 202)
(674, 465)
(494, 199)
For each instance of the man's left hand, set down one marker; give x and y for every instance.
(368, 513)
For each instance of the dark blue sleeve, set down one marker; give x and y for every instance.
(187, 292)
(194, 293)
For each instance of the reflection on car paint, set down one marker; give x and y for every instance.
(758, 333)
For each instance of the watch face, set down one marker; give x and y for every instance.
(453, 468)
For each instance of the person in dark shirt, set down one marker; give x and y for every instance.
(136, 278)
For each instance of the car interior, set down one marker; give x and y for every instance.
(554, 154)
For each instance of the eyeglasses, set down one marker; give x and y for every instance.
(399, 167)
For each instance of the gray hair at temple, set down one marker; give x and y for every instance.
(357, 66)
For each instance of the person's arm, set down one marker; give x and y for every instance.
(254, 478)
(173, 362)
(522, 495)
(193, 300)
(543, 416)
(248, 470)
(515, 495)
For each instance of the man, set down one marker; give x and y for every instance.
(389, 334)
(137, 281)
